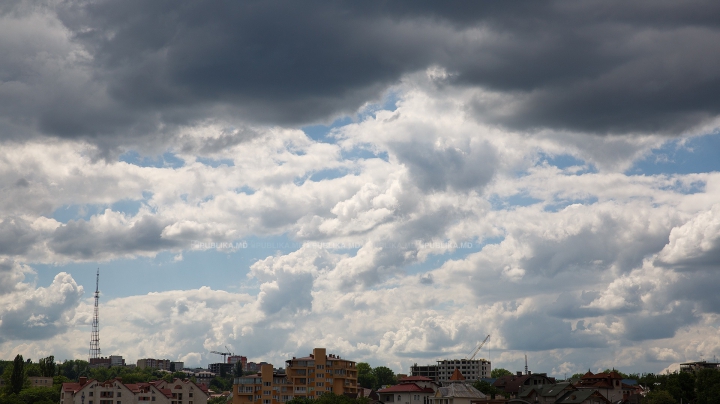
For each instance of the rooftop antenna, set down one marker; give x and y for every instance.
(95, 334)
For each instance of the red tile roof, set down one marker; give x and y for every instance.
(416, 379)
(406, 388)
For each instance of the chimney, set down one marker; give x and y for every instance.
(519, 373)
(83, 380)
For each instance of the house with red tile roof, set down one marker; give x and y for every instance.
(610, 385)
(113, 391)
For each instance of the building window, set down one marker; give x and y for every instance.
(267, 383)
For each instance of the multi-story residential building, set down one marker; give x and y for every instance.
(162, 364)
(265, 387)
(89, 391)
(309, 377)
(692, 367)
(106, 362)
(220, 368)
(178, 366)
(471, 369)
(320, 373)
(430, 371)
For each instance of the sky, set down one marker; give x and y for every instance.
(391, 180)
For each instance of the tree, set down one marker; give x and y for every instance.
(707, 385)
(17, 377)
(237, 369)
(486, 388)
(47, 366)
(218, 400)
(385, 376)
(366, 378)
(659, 397)
(499, 372)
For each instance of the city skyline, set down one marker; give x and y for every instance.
(392, 182)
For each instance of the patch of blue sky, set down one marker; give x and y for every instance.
(169, 160)
(696, 155)
(320, 132)
(67, 213)
(363, 153)
(560, 205)
(388, 103)
(464, 248)
(218, 268)
(563, 161)
(127, 206)
(328, 174)
(215, 163)
(685, 188)
(521, 199)
(245, 190)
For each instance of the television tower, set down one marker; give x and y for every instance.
(95, 335)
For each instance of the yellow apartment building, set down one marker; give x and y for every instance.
(309, 377)
(320, 373)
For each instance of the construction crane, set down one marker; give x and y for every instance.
(478, 348)
(224, 354)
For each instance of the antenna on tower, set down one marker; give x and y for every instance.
(526, 369)
(95, 335)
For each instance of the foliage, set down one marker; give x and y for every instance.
(385, 376)
(486, 388)
(35, 395)
(47, 366)
(218, 400)
(499, 372)
(659, 397)
(74, 369)
(328, 398)
(17, 377)
(366, 378)
(237, 369)
(707, 384)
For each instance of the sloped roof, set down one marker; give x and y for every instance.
(577, 397)
(457, 375)
(406, 388)
(459, 390)
(416, 379)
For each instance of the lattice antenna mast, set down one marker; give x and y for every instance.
(95, 336)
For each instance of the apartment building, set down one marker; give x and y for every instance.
(471, 369)
(265, 387)
(309, 377)
(320, 373)
(89, 391)
(162, 364)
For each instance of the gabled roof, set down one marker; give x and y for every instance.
(579, 396)
(416, 379)
(459, 390)
(406, 388)
(457, 375)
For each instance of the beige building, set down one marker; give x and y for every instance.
(320, 373)
(162, 364)
(309, 377)
(89, 391)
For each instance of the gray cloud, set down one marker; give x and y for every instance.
(639, 327)
(538, 331)
(135, 68)
(41, 313)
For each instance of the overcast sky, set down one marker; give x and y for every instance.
(390, 180)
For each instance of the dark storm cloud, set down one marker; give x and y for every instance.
(598, 67)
